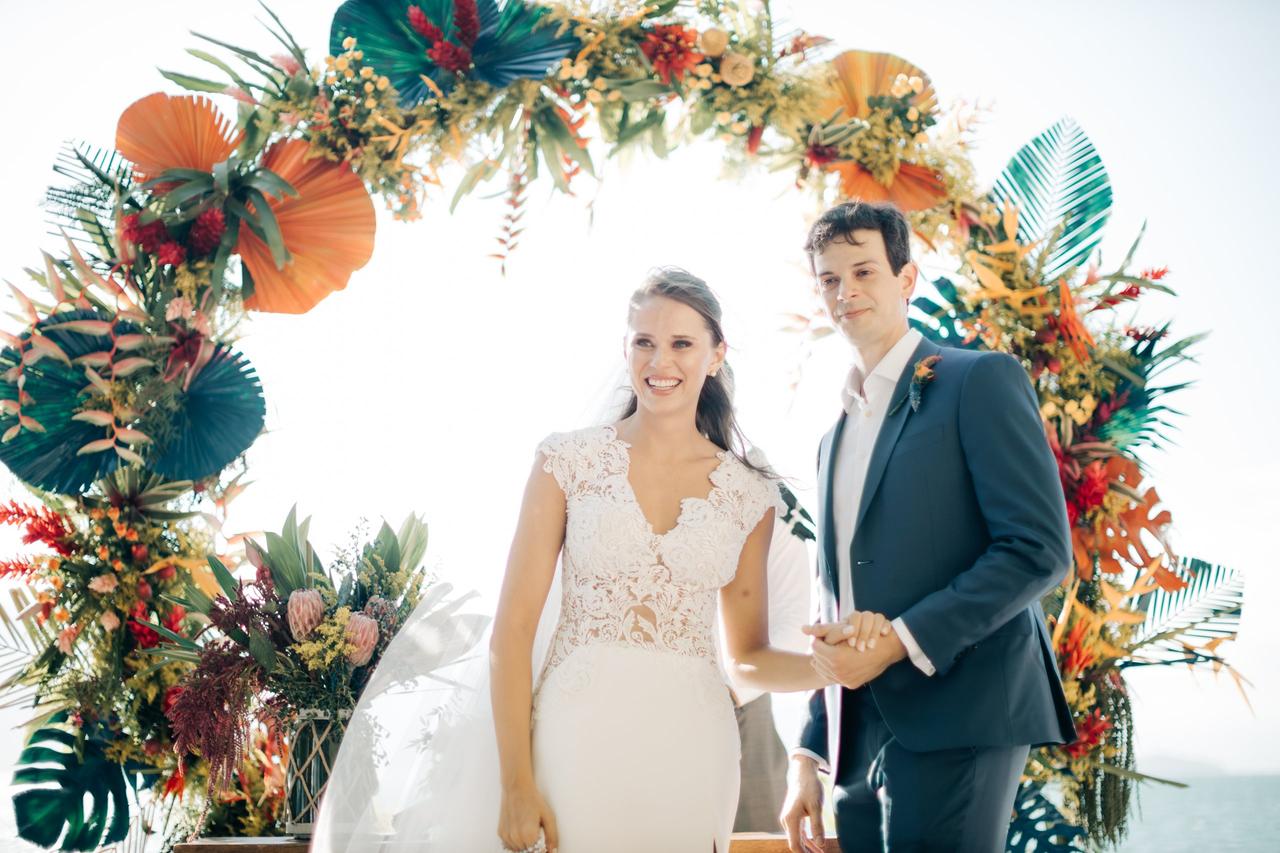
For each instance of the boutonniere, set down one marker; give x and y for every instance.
(920, 377)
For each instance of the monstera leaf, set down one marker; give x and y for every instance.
(48, 458)
(942, 322)
(1039, 826)
(82, 802)
(511, 43)
(220, 415)
(1058, 179)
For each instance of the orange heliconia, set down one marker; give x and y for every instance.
(162, 132)
(327, 229)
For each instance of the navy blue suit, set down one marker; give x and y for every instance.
(960, 530)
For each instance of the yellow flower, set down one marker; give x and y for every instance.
(357, 55)
(916, 84)
(368, 87)
(614, 95)
(913, 114)
(366, 72)
(594, 96)
(348, 42)
(113, 513)
(342, 63)
(703, 70)
(901, 86)
(600, 83)
(723, 117)
(370, 103)
(739, 127)
(383, 83)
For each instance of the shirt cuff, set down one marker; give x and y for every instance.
(914, 651)
(822, 762)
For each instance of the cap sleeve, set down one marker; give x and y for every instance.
(558, 459)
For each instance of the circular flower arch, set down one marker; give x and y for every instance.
(126, 409)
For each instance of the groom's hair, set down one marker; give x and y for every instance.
(839, 223)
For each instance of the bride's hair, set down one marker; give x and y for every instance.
(715, 418)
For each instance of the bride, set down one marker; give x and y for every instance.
(624, 739)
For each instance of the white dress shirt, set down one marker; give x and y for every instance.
(866, 398)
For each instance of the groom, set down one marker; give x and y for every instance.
(940, 508)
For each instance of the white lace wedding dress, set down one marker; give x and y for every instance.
(635, 743)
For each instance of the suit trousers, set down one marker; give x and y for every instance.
(889, 798)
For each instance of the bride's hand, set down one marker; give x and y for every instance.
(523, 812)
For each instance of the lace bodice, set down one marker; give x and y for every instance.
(624, 583)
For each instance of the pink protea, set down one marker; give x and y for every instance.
(109, 620)
(306, 610)
(104, 584)
(362, 637)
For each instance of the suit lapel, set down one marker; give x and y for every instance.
(890, 430)
(829, 444)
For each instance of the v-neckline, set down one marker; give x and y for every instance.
(722, 455)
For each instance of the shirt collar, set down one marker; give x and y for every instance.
(883, 379)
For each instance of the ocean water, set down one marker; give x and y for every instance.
(1216, 814)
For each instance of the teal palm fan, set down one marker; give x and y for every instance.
(219, 416)
(512, 42)
(48, 459)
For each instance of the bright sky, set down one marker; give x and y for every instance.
(426, 385)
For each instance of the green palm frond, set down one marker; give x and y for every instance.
(21, 643)
(1058, 180)
(1144, 419)
(1208, 608)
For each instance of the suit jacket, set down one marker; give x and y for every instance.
(961, 529)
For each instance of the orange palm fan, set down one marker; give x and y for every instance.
(857, 75)
(162, 132)
(327, 230)
(913, 188)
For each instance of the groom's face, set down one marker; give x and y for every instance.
(863, 297)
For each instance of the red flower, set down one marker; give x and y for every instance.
(176, 783)
(450, 56)
(753, 138)
(43, 525)
(1090, 732)
(19, 568)
(149, 237)
(206, 232)
(1092, 488)
(670, 49)
(422, 25)
(144, 589)
(171, 254)
(1155, 273)
(821, 155)
(466, 19)
(145, 637)
(174, 620)
(170, 696)
(140, 553)
(1073, 514)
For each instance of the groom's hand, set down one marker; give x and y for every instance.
(803, 805)
(843, 664)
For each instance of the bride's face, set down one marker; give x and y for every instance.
(670, 351)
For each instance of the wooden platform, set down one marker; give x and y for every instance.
(742, 843)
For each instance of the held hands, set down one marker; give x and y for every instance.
(524, 812)
(856, 651)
